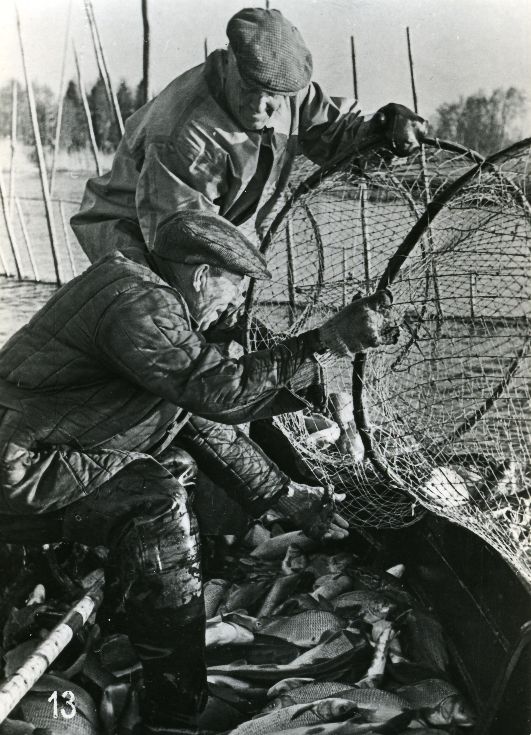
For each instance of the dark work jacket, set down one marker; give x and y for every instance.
(110, 370)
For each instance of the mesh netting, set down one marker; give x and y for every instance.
(444, 414)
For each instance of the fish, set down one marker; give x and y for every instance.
(213, 592)
(370, 605)
(294, 561)
(300, 715)
(445, 487)
(304, 629)
(439, 702)
(423, 641)
(222, 633)
(369, 579)
(371, 705)
(244, 596)
(282, 588)
(333, 587)
(276, 546)
(256, 535)
(285, 685)
(321, 564)
(343, 651)
(309, 692)
(376, 670)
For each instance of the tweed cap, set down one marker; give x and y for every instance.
(270, 52)
(196, 237)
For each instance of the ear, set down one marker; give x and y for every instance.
(200, 277)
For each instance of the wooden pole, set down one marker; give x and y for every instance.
(60, 101)
(412, 71)
(86, 110)
(40, 156)
(26, 237)
(473, 294)
(425, 180)
(102, 65)
(365, 237)
(354, 71)
(205, 48)
(9, 229)
(14, 96)
(145, 52)
(67, 239)
(46, 652)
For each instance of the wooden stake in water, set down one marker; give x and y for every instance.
(205, 48)
(88, 117)
(60, 101)
(46, 652)
(102, 65)
(145, 52)
(40, 157)
(425, 182)
(9, 229)
(67, 238)
(27, 241)
(14, 96)
(354, 70)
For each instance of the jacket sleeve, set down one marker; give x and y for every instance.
(186, 173)
(326, 126)
(235, 462)
(144, 337)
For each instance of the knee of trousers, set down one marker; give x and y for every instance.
(158, 549)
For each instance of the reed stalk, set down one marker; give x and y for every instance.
(88, 117)
(27, 240)
(60, 101)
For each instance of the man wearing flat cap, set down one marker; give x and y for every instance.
(223, 136)
(102, 391)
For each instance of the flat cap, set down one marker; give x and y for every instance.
(196, 237)
(270, 52)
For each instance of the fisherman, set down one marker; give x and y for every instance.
(223, 137)
(102, 390)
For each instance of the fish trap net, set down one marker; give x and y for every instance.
(444, 413)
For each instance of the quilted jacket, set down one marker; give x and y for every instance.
(110, 370)
(184, 150)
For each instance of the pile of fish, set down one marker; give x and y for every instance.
(302, 639)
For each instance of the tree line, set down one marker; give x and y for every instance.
(483, 122)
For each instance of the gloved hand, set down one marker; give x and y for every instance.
(312, 511)
(362, 324)
(401, 128)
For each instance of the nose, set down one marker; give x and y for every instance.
(271, 103)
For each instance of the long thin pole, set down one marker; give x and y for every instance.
(354, 68)
(291, 273)
(26, 237)
(9, 229)
(424, 178)
(145, 52)
(14, 96)
(60, 101)
(86, 110)
(46, 652)
(102, 64)
(67, 238)
(205, 48)
(40, 157)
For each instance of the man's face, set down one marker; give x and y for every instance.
(214, 294)
(250, 106)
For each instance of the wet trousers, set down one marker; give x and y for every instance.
(143, 516)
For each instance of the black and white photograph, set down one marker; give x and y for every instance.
(265, 419)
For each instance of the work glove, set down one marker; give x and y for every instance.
(401, 128)
(362, 324)
(312, 510)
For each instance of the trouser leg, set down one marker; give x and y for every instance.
(144, 516)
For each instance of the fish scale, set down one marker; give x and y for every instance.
(304, 629)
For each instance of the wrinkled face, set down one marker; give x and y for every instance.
(251, 107)
(214, 294)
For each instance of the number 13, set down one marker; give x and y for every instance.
(68, 696)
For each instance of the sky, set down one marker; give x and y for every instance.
(459, 46)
